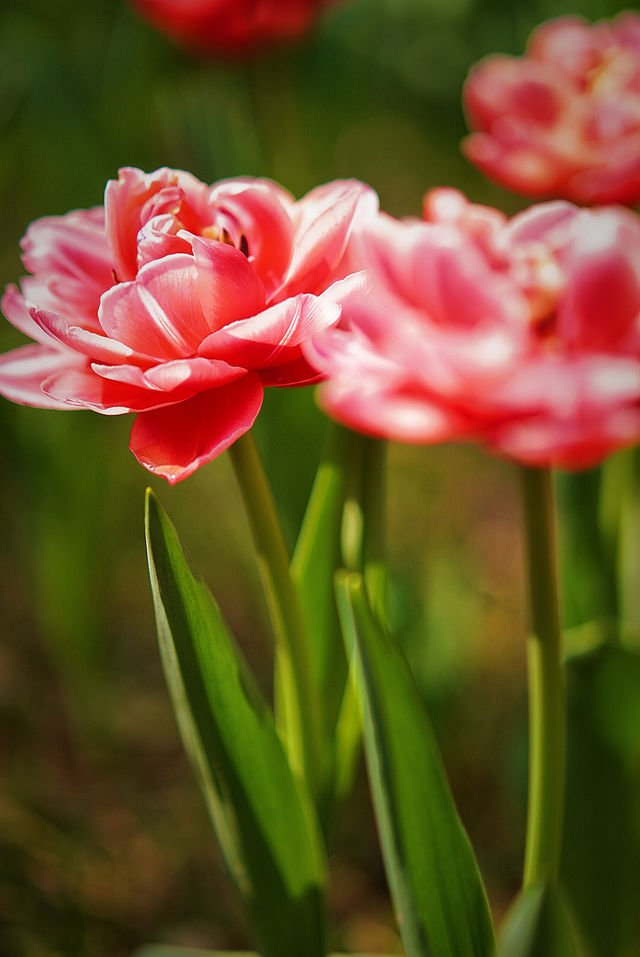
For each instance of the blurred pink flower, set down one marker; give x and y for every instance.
(231, 26)
(563, 120)
(179, 301)
(521, 333)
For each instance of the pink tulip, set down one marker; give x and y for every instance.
(231, 26)
(523, 333)
(564, 120)
(179, 301)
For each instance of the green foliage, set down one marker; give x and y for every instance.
(264, 823)
(438, 893)
(601, 854)
(539, 926)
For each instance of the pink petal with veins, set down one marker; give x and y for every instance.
(159, 313)
(23, 372)
(175, 441)
(273, 336)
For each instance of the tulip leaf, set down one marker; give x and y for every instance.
(434, 879)
(316, 557)
(600, 866)
(538, 925)
(264, 822)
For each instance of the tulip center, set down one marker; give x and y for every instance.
(612, 74)
(542, 281)
(222, 235)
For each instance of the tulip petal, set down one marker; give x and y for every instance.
(228, 286)
(97, 347)
(82, 388)
(187, 375)
(159, 313)
(402, 415)
(23, 372)
(72, 252)
(17, 312)
(260, 211)
(175, 441)
(324, 219)
(272, 337)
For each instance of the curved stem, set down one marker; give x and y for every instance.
(301, 724)
(547, 719)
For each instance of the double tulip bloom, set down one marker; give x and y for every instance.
(180, 302)
(231, 26)
(564, 120)
(521, 333)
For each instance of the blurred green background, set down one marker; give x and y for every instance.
(104, 840)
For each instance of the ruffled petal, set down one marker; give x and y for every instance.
(23, 372)
(17, 312)
(187, 376)
(82, 388)
(72, 252)
(324, 218)
(159, 313)
(228, 286)
(260, 211)
(272, 337)
(136, 197)
(98, 347)
(175, 441)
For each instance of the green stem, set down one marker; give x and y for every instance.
(547, 719)
(375, 539)
(302, 733)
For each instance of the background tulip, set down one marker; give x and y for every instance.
(231, 26)
(521, 333)
(563, 120)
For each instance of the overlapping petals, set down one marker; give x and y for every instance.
(231, 27)
(523, 334)
(180, 301)
(564, 120)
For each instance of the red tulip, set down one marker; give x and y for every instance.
(231, 26)
(564, 120)
(523, 334)
(179, 301)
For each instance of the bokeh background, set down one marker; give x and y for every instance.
(104, 839)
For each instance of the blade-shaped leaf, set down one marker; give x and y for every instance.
(538, 925)
(264, 822)
(316, 557)
(436, 886)
(600, 866)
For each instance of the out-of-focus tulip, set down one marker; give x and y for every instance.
(179, 301)
(564, 120)
(232, 27)
(523, 333)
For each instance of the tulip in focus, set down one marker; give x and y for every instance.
(563, 120)
(523, 333)
(181, 302)
(231, 26)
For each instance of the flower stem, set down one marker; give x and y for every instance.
(301, 728)
(374, 508)
(547, 719)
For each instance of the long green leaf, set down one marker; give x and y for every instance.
(538, 925)
(436, 886)
(600, 865)
(264, 822)
(316, 557)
